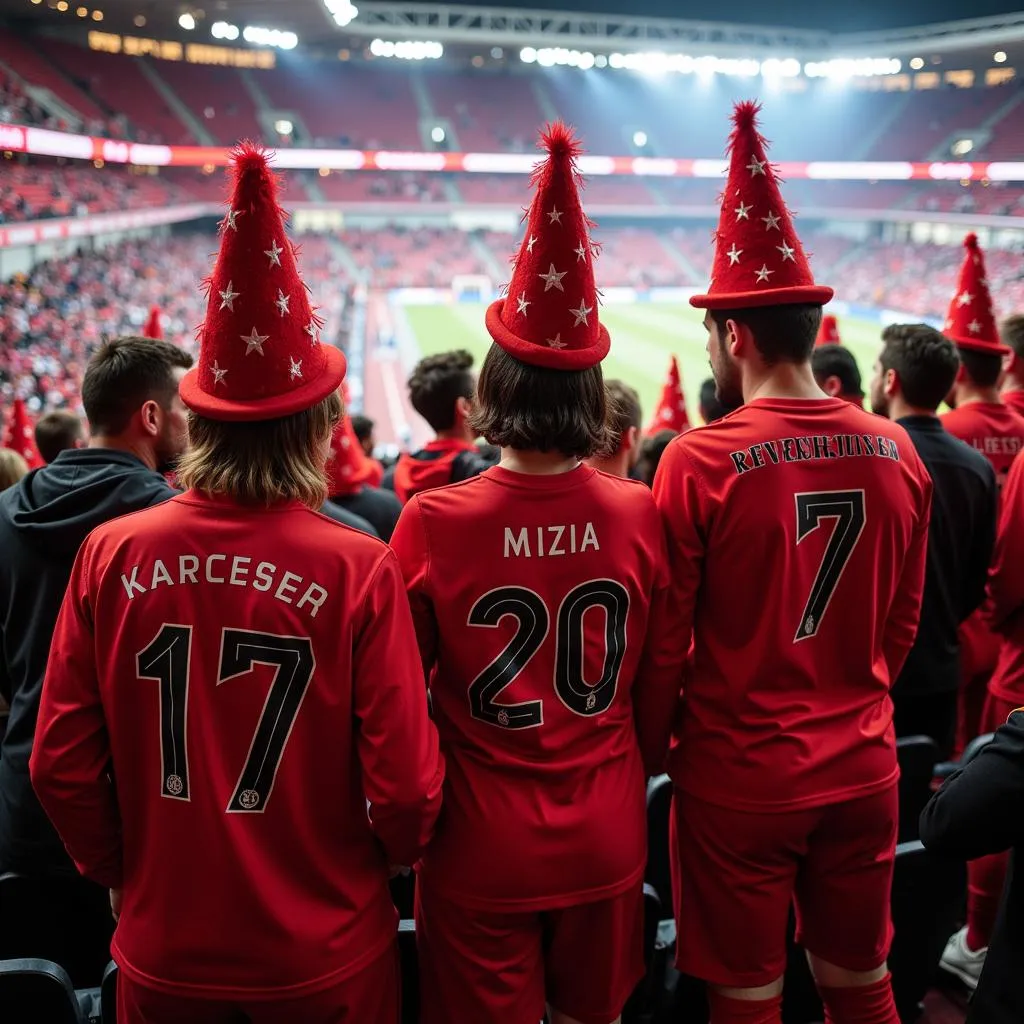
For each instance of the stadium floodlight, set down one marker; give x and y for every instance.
(187, 21)
(916, 63)
(639, 139)
(776, 68)
(962, 147)
(437, 133)
(344, 12)
(999, 56)
(283, 127)
(224, 30)
(549, 56)
(407, 49)
(528, 55)
(259, 36)
(842, 68)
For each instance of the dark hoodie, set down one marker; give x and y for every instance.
(442, 461)
(43, 521)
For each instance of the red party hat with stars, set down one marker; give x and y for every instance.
(828, 332)
(671, 411)
(260, 356)
(348, 467)
(970, 322)
(549, 317)
(153, 328)
(758, 257)
(20, 436)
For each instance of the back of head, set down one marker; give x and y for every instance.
(712, 408)
(832, 361)
(123, 375)
(1011, 333)
(362, 427)
(983, 369)
(623, 410)
(437, 383)
(533, 408)
(924, 361)
(653, 450)
(58, 431)
(12, 468)
(782, 334)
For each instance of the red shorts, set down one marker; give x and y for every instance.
(478, 965)
(735, 874)
(371, 996)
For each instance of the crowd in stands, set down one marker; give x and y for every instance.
(17, 107)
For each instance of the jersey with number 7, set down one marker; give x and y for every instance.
(797, 539)
(541, 609)
(249, 678)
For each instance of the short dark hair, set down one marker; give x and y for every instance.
(1011, 331)
(125, 373)
(652, 451)
(437, 382)
(782, 334)
(833, 360)
(623, 408)
(924, 360)
(983, 368)
(711, 406)
(56, 432)
(362, 426)
(533, 408)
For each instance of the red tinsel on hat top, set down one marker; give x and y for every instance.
(759, 260)
(260, 355)
(549, 316)
(20, 435)
(970, 322)
(671, 412)
(828, 332)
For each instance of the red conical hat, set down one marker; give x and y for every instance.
(260, 356)
(20, 436)
(671, 411)
(828, 332)
(348, 468)
(758, 257)
(970, 322)
(153, 328)
(550, 315)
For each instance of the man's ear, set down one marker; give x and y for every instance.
(832, 386)
(631, 439)
(738, 338)
(891, 383)
(151, 418)
(463, 407)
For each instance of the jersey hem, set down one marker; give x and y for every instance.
(553, 902)
(226, 992)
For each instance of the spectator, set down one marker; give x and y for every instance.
(58, 431)
(12, 468)
(837, 374)
(363, 427)
(712, 407)
(651, 452)
(624, 419)
(1011, 332)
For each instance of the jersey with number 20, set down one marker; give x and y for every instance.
(797, 539)
(251, 676)
(540, 607)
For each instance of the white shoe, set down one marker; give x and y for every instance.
(958, 959)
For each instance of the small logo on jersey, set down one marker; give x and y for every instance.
(502, 718)
(174, 785)
(591, 701)
(248, 798)
(809, 625)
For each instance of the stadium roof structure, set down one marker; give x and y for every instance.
(467, 24)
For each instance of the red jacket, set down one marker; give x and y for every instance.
(249, 680)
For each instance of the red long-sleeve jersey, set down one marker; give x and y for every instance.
(249, 679)
(541, 608)
(797, 539)
(1004, 608)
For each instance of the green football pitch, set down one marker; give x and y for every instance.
(644, 336)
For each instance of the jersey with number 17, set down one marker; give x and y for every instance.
(541, 609)
(797, 534)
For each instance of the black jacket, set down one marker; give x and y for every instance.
(961, 536)
(979, 812)
(342, 515)
(43, 520)
(379, 508)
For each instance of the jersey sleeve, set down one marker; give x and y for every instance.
(409, 542)
(70, 763)
(1006, 579)
(398, 744)
(905, 609)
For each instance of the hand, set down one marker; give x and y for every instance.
(115, 903)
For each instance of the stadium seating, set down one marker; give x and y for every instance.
(217, 98)
(37, 992)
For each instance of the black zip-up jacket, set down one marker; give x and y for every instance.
(43, 520)
(979, 812)
(961, 535)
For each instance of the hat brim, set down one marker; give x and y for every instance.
(990, 348)
(273, 407)
(537, 355)
(798, 295)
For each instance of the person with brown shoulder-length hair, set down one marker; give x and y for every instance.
(233, 682)
(537, 588)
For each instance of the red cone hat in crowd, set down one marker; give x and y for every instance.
(671, 411)
(758, 257)
(20, 436)
(970, 322)
(153, 328)
(828, 332)
(348, 467)
(260, 356)
(549, 317)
